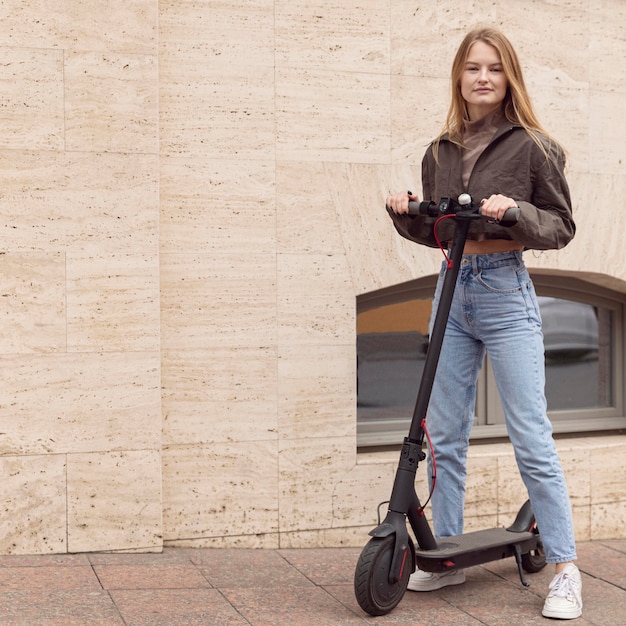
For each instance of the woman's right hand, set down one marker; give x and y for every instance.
(399, 202)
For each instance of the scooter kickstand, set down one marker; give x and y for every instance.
(518, 560)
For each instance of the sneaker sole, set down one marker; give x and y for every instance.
(439, 584)
(562, 614)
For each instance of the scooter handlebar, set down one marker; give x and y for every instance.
(431, 209)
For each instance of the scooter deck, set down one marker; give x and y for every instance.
(475, 548)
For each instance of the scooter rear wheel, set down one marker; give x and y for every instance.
(374, 592)
(535, 560)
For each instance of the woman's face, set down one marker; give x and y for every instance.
(483, 83)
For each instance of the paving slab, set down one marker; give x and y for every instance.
(295, 587)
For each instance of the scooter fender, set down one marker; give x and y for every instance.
(403, 547)
(525, 519)
(382, 531)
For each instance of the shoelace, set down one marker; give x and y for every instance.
(563, 585)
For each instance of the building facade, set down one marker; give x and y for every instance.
(192, 207)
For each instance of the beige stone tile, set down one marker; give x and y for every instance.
(582, 522)
(306, 215)
(317, 391)
(482, 496)
(309, 472)
(359, 491)
(520, 20)
(113, 304)
(348, 537)
(56, 403)
(425, 37)
(332, 116)
(311, 275)
(33, 303)
(338, 208)
(315, 320)
(608, 520)
(607, 46)
(418, 110)
(74, 24)
(229, 110)
(220, 490)
(483, 522)
(375, 253)
(211, 300)
(264, 541)
(588, 190)
(111, 102)
(217, 205)
(114, 500)
(607, 469)
(332, 35)
(560, 105)
(83, 203)
(606, 127)
(222, 33)
(315, 300)
(220, 395)
(575, 462)
(33, 493)
(32, 99)
(207, 112)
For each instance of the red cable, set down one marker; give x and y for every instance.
(443, 217)
(433, 462)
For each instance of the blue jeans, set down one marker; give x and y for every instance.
(495, 309)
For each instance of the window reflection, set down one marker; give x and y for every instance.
(578, 354)
(391, 346)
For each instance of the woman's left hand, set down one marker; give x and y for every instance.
(496, 206)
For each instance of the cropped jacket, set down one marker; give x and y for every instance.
(513, 165)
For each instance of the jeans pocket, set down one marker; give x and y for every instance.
(503, 279)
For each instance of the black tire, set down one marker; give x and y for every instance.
(535, 560)
(373, 591)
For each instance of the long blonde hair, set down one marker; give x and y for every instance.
(517, 105)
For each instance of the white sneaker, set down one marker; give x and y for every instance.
(430, 581)
(565, 600)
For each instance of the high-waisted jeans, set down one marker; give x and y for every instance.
(495, 309)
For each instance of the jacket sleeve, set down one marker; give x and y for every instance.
(416, 227)
(546, 222)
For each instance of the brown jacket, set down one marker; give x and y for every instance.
(513, 165)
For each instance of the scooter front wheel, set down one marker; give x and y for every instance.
(374, 592)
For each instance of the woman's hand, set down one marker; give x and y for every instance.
(496, 205)
(399, 202)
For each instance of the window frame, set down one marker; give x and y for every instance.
(567, 421)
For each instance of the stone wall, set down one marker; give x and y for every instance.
(192, 200)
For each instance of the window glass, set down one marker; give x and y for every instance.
(578, 364)
(580, 341)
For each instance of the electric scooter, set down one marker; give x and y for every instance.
(390, 557)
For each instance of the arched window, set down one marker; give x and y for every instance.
(583, 335)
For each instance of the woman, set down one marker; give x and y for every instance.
(493, 148)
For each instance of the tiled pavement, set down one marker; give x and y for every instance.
(295, 587)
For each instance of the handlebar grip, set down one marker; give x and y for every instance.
(511, 216)
(428, 209)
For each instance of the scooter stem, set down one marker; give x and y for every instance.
(416, 431)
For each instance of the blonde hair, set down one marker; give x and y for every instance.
(517, 105)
